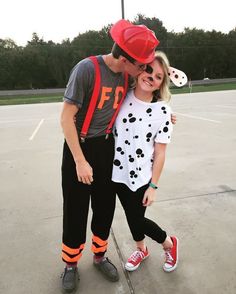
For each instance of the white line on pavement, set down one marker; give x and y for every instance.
(198, 117)
(226, 106)
(36, 130)
(24, 120)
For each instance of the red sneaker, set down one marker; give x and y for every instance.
(171, 256)
(135, 259)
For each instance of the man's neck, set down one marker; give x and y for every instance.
(113, 63)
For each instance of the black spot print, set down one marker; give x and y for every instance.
(116, 133)
(150, 125)
(176, 76)
(131, 118)
(127, 130)
(164, 109)
(167, 123)
(130, 104)
(165, 129)
(149, 135)
(117, 162)
(149, 110)
(124, 120)
(133, 174)
(131, 159)
(135, 137)
(127, 142)
(139, 152)
(119, 149)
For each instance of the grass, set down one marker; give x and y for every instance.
(205, 88)
(30, 99)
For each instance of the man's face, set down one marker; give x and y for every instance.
(134, 68)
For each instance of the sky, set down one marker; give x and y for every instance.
(58, 20)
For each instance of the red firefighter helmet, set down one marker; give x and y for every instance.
(136, 40)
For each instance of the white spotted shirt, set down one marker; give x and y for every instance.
(138, 126)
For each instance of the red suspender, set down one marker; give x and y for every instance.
(93, 101)
(109, 128)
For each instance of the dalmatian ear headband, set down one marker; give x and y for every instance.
(177, 76)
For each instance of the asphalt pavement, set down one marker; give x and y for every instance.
(196, 202)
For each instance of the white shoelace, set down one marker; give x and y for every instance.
(134, 257)
(169, 258)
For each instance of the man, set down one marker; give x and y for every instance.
(87, 162)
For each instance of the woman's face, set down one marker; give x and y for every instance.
(152, 78)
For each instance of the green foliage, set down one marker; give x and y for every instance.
(43, 64)
(47, 98)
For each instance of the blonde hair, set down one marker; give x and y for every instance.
(164, 91)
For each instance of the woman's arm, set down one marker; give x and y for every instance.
(158, 163)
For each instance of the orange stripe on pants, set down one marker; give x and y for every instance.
(71, 254)
(98, 245)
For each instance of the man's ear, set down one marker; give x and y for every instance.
(123, 59)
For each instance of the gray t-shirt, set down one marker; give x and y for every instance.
(80, 88)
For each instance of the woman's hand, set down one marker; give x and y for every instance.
(149, 196)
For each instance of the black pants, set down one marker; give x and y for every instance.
(99, 152)
(134, 210)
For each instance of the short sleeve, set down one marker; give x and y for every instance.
(80, 82)
(165, 130)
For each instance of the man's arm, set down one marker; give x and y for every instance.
(83, 169)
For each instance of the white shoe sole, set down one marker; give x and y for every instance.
(131, 269)
(171, 269)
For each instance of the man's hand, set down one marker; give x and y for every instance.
(84, 172)
(173, 118)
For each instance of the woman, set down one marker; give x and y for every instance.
(142, 131)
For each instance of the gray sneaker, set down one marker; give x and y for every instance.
(108, 269)
(70, 279)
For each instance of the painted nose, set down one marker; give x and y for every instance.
(150, 79)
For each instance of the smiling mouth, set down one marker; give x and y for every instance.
(147, 82)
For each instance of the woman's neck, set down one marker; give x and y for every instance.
(143, 95)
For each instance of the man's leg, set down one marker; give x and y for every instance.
(103, 200)
(76, 197)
